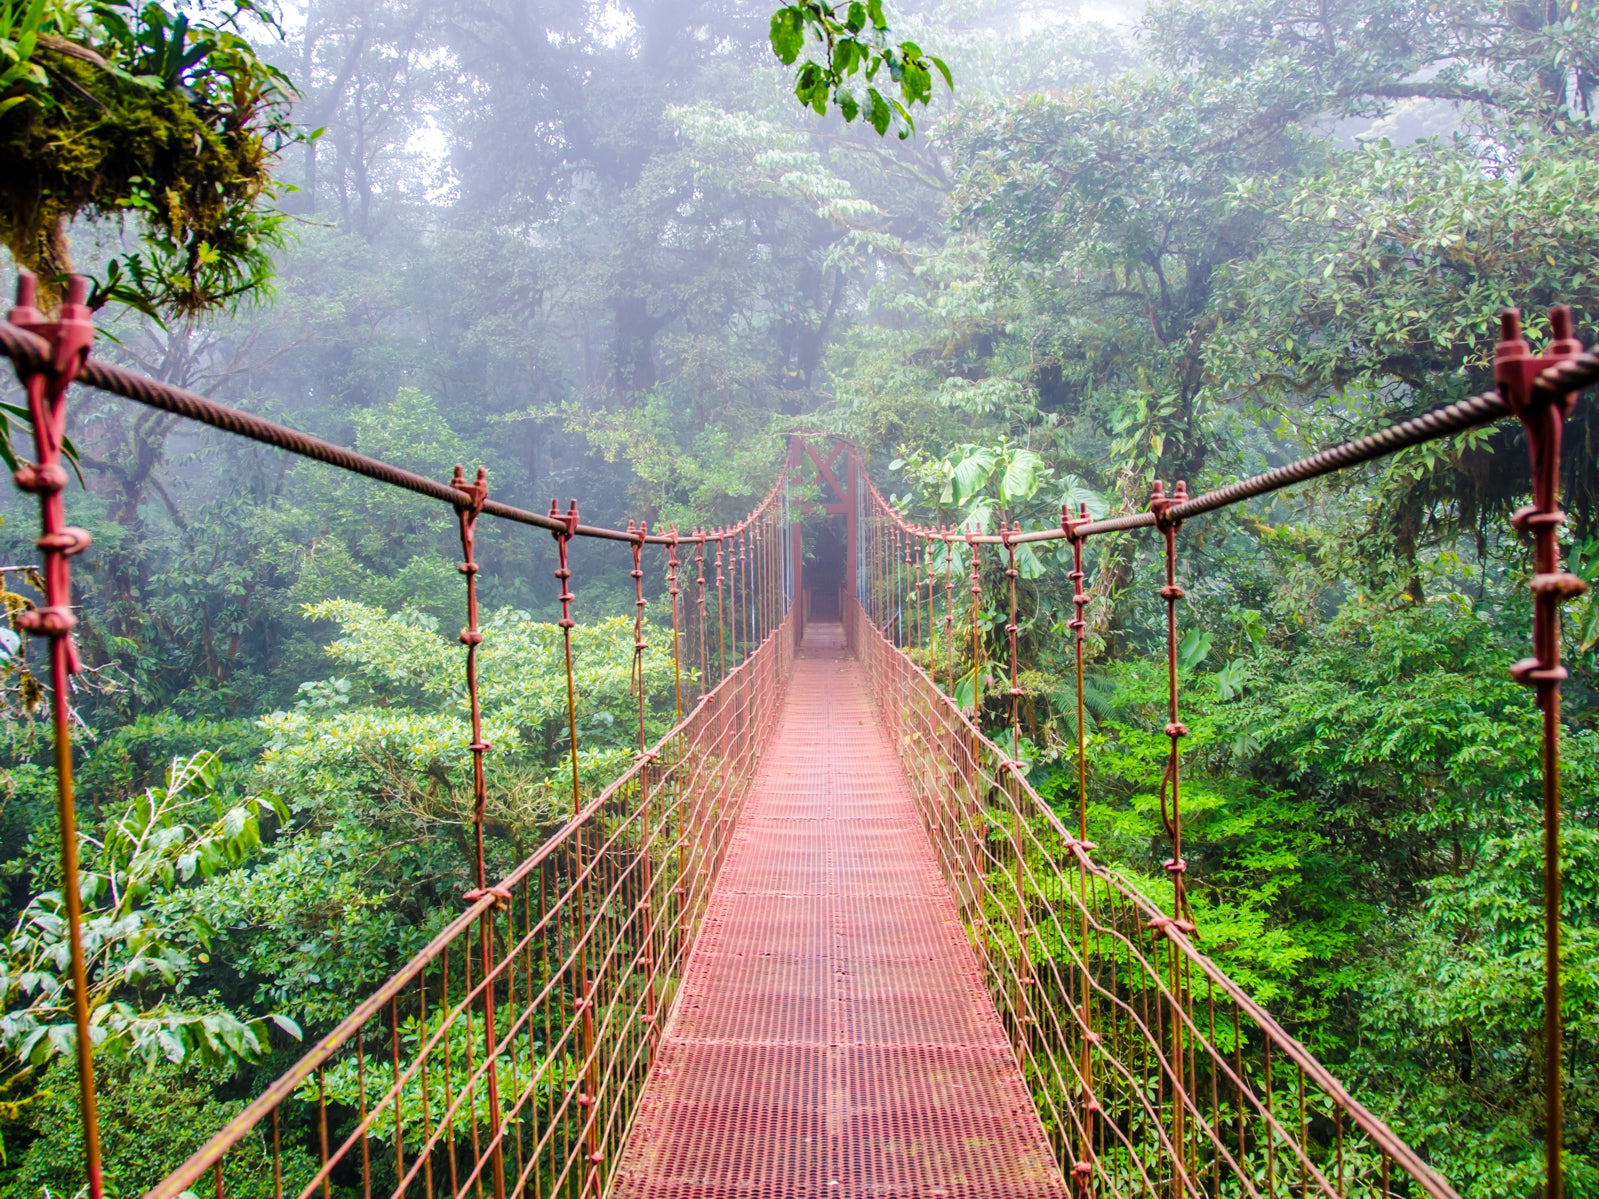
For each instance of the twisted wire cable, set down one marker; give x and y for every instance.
(31, 352)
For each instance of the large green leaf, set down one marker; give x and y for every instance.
(1193, 648)
(1024, 472)
(1076, 494)
(1028, 564)
(971, 473)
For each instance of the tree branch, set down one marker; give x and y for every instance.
(1431, 91)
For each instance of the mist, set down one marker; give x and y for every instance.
(603, 251)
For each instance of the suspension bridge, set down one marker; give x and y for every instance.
(823, 937)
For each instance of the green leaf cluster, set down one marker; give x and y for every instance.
(855, 42)
(137, 956)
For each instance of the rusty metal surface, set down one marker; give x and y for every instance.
(1543, 412)
(833, 1035)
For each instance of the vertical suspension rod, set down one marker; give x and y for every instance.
(1543, 412)
(70, 337)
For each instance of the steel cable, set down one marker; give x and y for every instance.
(1572, 374)
(30, 352)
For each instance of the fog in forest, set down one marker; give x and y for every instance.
(602, 250)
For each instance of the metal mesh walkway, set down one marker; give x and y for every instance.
(833, 1036)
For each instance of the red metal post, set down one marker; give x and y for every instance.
(1011, 629)
(1543, 413)
(1160, 504)
(977, 641)
(640, 646)
(797, 569)
(721, 614)
(796, 533)
(1082, 1168)
(852, 471)
(473, 497)
(673, 590)
(949, 605)
(70, 337)
(699, 583)
(584, 986)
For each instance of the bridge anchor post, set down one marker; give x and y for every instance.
(70, 335)
(1543, 410)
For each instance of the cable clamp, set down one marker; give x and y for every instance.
(1530, 518)
(568, 520)
(1070, 527)
(474, 494)
(1560, 584)
(1161, 504)
(1531, 672)
(40, 480)
(1516, 368)
(48, 621)
(1166, 925)
(69, 541)
(501, 894)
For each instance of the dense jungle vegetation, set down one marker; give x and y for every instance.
(601, 249)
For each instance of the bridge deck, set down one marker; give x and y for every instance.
(833, 1036)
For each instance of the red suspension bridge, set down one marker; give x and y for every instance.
(823, 938)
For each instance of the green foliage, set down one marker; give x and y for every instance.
(984, 487)
(165, 839)
(1408, 727)
(152, 1118)
(529, 1082)
(1451, 1038)
(855, 43)
(113, 110)
(1397, 257)
(1271, 901)
(374, 769)
(144, 958)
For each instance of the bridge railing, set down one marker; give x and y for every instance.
(1151, 1068)
(1153, 1072)
(508, 1057)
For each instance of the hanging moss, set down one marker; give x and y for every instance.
(188, 159)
